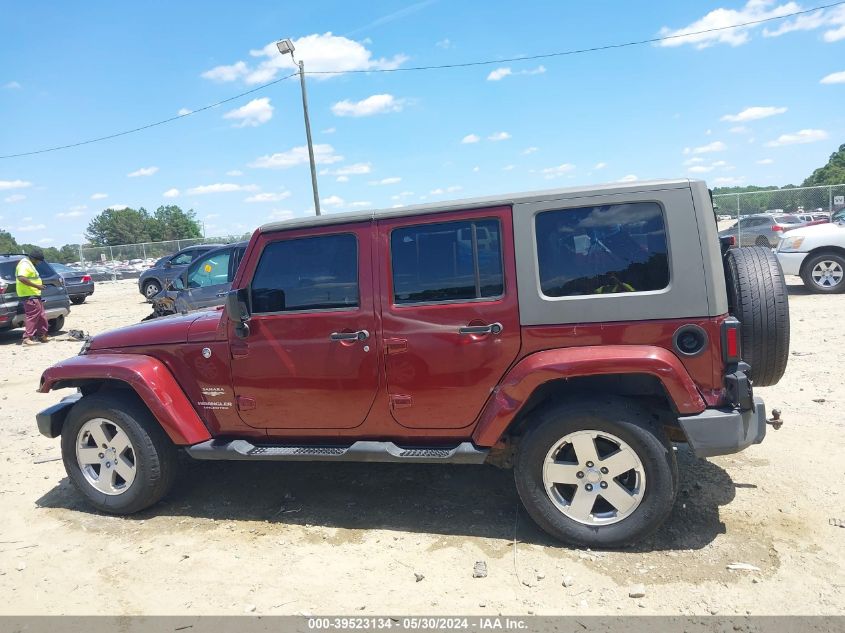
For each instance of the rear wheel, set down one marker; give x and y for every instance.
(55, 325)
(758, 297)
(763, 241)
(825, 273)
(116, 454)
(78, 299)
(596, 473)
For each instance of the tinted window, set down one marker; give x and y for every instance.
(182, 258)
(787, 219)
(44, 269)
(602, 250)
(210, 270)
(448, 261)
(7, 269)
(61, 268)
(311, 273)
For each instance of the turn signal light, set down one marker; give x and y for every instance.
(731, 347)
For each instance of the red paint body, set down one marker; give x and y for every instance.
(414, 380)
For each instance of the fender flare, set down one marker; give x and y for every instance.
(148, 377)
(527, 375)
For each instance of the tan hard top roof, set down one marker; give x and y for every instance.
(476, 203)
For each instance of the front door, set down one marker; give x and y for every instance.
(449, 313)
(208, 279)
(309, 361)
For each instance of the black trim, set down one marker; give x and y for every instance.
(51, 419)
(703, 339)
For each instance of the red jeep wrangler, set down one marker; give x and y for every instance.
(573, 334)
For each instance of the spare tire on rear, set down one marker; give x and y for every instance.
(757, 296)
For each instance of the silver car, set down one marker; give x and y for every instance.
(762, 229)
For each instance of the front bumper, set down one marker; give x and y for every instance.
(725, 431)
(791, 262)
(51, 419)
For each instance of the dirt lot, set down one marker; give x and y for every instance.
(349, 538)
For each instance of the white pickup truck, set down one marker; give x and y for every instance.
(817, 254)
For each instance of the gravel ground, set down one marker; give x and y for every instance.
(398, 539)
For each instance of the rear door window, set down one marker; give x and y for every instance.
(447, 261)
(308, 273)
(602, 250)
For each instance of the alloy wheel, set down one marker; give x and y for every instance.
(105, 456)
(827, 273)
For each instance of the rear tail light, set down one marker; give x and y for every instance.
(3, 287)
(731, 342)
(86, 279)
(777, 227)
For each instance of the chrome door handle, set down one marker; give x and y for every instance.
(493, 328)
(360, 335)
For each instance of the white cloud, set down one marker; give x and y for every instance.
(144, 171)
(211, 216)
(599, 165)
(753, 113)
(834, 78)
(253, 114)
(375, 104)
(234, 172)
(14, 184)
(499, 74)
(476, 169)
(323, 155)
(699, 166)
(508, 167)
(332, 201)
(171, 193)
(356, 169)
(720, 18)
(832, 20)
(800, 137)
(739, 129)
(440, 191)
(184, 111)
(629, 178)
(444, 43)
(470, 138)
(386, 181)
(402, 194)
(361, 203)
(12, 85)
(330, 130)
(715, 146)
(118, 207)
(693, 160)
(326, 52)
(46, 240)
(728, 180)
(342, 179)
(26, 228)
(499, 136)
(99, 196)
(269, 197)
(74, 212)
(560, 170)
(765, 161)
(529, 150)
(15, 197)
(280, 214)
(220, 187)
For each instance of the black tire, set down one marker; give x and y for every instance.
(151, 288)
(762, 241)
(155, 456)
(807, 273)
(627, 421)
(78, 299)
(55, 325)
(758, 297)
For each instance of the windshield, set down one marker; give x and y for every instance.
(787, 219)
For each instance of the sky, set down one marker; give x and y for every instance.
(757, 105)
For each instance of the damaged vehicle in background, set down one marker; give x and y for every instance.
(203, 284)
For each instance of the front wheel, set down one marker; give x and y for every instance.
(825, 273)
(55, 325)
(116, 454)
(596, 473)
(151, 289)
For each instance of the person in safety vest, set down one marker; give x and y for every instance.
(616, 285)
(29, 289)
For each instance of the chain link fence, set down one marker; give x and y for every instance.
(824, 199)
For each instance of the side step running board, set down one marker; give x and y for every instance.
(363, 451)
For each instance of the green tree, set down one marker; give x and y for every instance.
(69, 253)
(8, 243)
(119, 226)
(831, 174)
(171, 223)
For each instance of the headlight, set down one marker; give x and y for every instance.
(791, 243)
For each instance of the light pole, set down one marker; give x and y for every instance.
(286, 46)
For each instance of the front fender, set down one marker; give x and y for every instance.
(147, 376)
(534, 370)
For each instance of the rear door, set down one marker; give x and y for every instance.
(449, 313)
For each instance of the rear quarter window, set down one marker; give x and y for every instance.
(609, 249)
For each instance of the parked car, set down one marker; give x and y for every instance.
(762, 229)
(54, 295)
(573, 334)
(78, 284)
(817, 254)
(203, 284)
(152, 280)
(808, 219)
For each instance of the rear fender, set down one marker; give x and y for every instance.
(535, 370)
(148, 377)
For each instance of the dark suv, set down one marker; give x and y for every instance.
(151, 281)
(56, 300)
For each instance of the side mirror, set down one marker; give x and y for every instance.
(237, 311)
(168, 264)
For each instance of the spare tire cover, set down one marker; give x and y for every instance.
(758, 297)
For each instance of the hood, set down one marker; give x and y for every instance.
(196, 327)
(828, 228)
